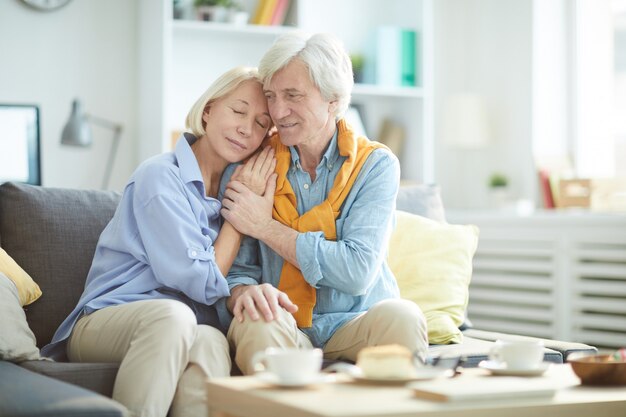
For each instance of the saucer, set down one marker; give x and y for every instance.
(273, 379)
(499, 369)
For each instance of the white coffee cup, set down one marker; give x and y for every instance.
(517, 354)
(289, 365)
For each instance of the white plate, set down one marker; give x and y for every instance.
(498, 369)
(275, 380)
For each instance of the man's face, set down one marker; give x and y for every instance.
(298, 110)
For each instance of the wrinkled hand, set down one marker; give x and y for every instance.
(248, 212)
(256, 171)
(258, 301)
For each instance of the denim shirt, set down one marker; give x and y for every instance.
(351, 274)
(158, 245)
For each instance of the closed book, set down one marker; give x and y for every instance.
(408, 58)
(483, 388)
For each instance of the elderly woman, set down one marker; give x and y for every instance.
(160, 263)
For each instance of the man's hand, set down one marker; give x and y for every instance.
(258, 301)
(256, 171)
(248, 212)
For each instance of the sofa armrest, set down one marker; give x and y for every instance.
(24, 393)
(565, 348)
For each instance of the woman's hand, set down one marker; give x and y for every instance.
(255, 172)
(258, 301)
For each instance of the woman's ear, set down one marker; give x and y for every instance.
(205, 115)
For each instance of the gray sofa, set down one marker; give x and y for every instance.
(52, 234)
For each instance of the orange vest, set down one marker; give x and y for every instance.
(321, 217)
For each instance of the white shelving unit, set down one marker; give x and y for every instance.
(179, 59)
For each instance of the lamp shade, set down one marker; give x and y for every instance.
(465, 121)
(77, 131)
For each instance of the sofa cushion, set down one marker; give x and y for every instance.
(27, 289)
(17, 341)
(432, 262)
(52, 234)
(421, 199)
(24, 394)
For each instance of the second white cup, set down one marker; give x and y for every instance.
(517, 354)
(290, 365)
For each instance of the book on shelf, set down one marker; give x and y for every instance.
(547, 192)
(483, 388)
(271, 12)
(280, 12)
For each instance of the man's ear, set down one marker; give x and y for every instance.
(332, 106)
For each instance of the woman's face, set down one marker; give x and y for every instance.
(237, 123)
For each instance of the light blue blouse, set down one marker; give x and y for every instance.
(350, 274)
(158, 245)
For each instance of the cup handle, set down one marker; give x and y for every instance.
(494, 354)
(258, 361)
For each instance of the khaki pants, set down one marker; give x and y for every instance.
(165, 356)
(389, 321)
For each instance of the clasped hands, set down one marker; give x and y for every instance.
(247, 205)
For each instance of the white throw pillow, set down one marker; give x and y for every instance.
(17, 341)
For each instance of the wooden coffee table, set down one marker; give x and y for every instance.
(249, 397)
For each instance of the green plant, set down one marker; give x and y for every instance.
(498, 179)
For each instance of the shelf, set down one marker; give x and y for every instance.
(379, 90)
(228, 28)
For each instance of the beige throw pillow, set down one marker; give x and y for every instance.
(17, 341)
(27, 289)
(432, 262)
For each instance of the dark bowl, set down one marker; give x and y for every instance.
(599, 370)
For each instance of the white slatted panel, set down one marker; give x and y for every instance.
(512, 285)
(599, 293)
(559, 275)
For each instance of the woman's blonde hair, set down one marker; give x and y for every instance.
(224, 85)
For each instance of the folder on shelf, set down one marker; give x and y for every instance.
(388, 56)
(409, 42)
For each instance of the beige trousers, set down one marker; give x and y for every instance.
(165, 356)
(389, 321)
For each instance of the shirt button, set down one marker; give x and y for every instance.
(306, 186)
(194, 253)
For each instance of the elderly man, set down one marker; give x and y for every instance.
(312, 271)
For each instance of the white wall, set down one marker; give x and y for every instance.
(87, 50)
(484, 47)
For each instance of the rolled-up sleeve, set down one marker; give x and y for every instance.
(181, 256)
(353, 262)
